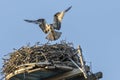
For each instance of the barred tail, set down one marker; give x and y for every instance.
(53, 36)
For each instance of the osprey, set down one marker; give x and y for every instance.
(50, 29)
(47, 29)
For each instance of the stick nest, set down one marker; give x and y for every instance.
(39, 53)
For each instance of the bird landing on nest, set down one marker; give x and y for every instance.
(51, 29)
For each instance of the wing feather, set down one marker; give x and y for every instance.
(31, 21)
(58, 18)
(44, 26)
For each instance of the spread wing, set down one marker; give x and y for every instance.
(57, 23)
(58, 18)
(31, 21)
(42, 24)
(68, 9)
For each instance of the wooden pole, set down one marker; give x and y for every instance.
(82, 61)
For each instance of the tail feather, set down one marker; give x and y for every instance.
(53, 36)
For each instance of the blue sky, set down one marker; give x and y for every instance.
(93, 24)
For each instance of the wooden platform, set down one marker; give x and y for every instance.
(39, 71)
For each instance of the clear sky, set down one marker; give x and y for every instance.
(93, 24)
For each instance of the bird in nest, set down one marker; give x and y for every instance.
(50, 29)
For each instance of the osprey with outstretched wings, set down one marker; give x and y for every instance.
(50, 29)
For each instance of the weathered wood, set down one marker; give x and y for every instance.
(82, 61)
